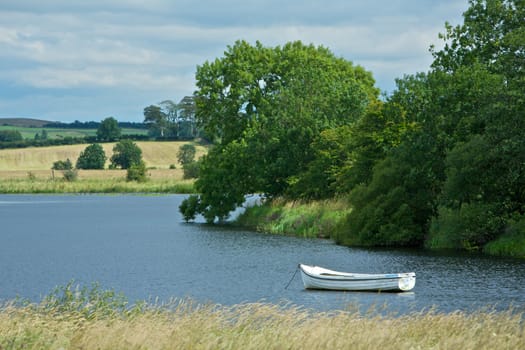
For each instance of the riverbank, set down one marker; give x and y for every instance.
(104, 321)
(93, 181)
(302, 219)
(323, 219)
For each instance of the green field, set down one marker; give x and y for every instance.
(55, 133)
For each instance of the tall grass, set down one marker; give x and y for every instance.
(304, 219)
(111, 185)
(88, 318)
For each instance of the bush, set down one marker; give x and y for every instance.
(70, 175)
(62, 165)
(137, 172)
(469, 227)
(191, 170)
(512, 242)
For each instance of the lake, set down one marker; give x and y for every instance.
(140, 246)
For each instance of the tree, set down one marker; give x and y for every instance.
(156, 121)
(186, 154)
(108, 130)
(264, 107)
(483, 59)
(456, 176)
(93, 157)
(125, 154)
(187, 127)
(10, 135)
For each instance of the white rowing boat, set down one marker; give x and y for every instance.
(315, 277)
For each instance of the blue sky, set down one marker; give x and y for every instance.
(67, 60)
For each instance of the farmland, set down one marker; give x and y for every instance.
(28, 170)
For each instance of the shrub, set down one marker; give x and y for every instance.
(137, 172)
(469, 227)
(512, 242)
(191, 170)
(70, 175)
(62, 165)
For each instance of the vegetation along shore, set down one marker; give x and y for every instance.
(91, 318)
(438, 163)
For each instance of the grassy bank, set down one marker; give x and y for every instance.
(303, 219)
(89, 319)
(94, 181)
(323, 219)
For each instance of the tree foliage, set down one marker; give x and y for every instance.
(92, 157)
(170, 120)
(458, 176)
(186, 154)
(108, 130)
(125, 154)
(264, 107)
(440, 162)
(10, 136)
(62, 165)
(137, 172)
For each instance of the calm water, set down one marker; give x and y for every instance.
(139, 245)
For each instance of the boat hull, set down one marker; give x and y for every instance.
(315, 277)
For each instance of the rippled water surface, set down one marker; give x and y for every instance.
(139, 245)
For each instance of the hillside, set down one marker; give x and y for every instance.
(156, 154)
(24, 122)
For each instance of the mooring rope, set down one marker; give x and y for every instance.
(295, 273)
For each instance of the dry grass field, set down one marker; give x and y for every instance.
(156, 155)
(28, 170)
(185, 325)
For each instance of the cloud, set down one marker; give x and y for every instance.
(149, 50)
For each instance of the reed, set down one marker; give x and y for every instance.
(112, 185)
(87, 319)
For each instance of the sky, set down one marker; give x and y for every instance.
(86, 60)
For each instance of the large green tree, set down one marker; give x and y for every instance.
(108, 130)
(457, 178)
(485, 59)
(156, 120)
(93, 157)
(125, 154)
(264, 107)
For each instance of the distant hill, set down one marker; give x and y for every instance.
(24, 122)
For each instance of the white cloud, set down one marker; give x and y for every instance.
(144, 51)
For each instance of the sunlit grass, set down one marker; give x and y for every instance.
(305, 219)
(89, 318)
(95, 185)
